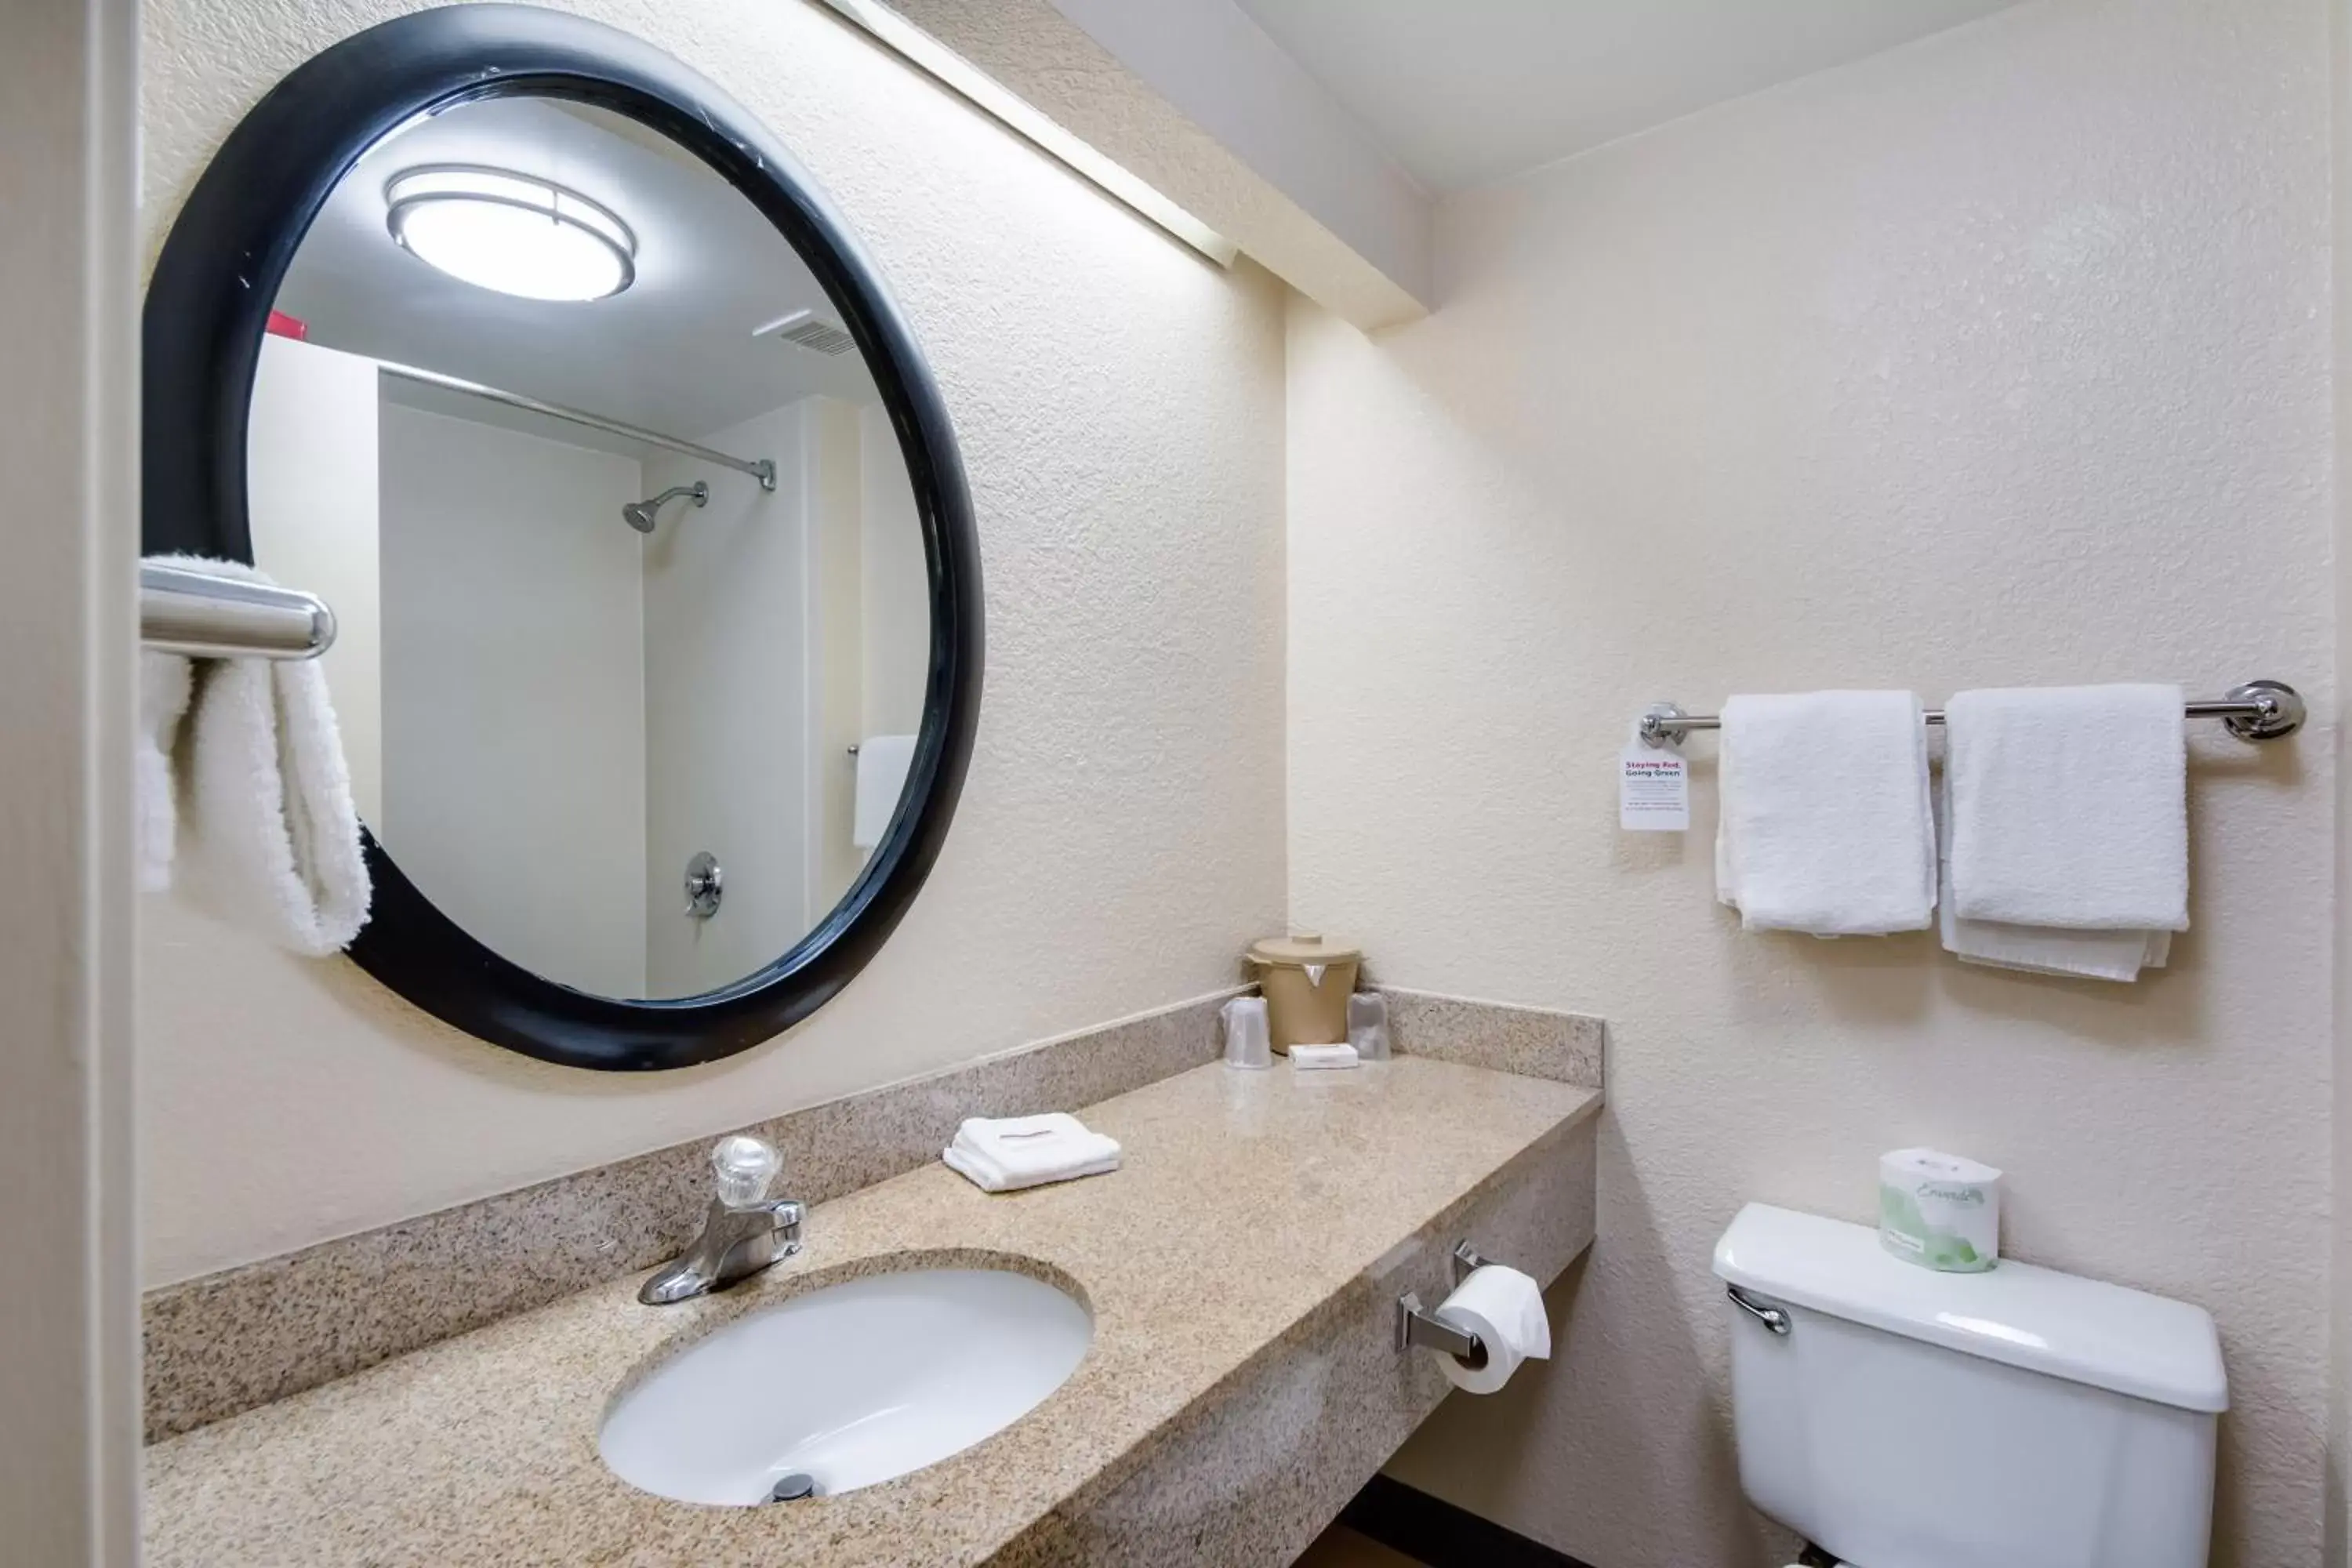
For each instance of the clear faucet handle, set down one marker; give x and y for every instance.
(745, 1168)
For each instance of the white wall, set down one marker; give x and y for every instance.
(1120, 406)
(2002, 358)
(727, 673)
(312, 501)
(69, 431)
(514, 692)
(835, 487)
(895, 619)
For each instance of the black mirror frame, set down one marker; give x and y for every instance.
(208, 306)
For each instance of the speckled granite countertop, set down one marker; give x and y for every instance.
(1247, 1201)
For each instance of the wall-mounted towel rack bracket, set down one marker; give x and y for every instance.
(2258, 711)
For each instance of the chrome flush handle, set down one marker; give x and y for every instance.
(1773, 1318)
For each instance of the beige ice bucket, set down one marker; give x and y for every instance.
(1307, 981)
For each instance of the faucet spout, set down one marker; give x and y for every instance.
(735, 1244)
(744, 1231)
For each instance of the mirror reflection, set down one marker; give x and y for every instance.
(634, 599)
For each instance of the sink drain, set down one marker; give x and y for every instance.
(792, 1488)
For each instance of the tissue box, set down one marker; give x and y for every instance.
(1939, 1210)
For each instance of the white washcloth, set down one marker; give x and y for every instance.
(272, 840)
(164, 682)
(1006, 1153)
(2116, 955)
(1825, 824)
(882, 763)
(2070, 807)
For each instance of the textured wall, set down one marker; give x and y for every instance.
(1120, 406)
(2001, 358)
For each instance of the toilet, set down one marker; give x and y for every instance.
(1897, 1418)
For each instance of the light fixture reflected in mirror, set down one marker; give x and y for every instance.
(510, 233)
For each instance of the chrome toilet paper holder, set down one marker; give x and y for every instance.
(1414, 1326)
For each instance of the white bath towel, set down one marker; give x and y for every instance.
(882, 763)
(164, 683)
(2118, 955)
(1825, 824)
(1006, 1153)
(272, 840)
(2070, 807)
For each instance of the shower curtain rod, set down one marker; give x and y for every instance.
(763, 470)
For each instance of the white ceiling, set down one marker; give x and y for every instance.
(1465, 92)
(673, 352)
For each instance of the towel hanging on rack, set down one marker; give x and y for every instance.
(1825, 824)
(2070, 807)
(272, 840)
(165, 682)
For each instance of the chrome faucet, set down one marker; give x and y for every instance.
(745, 1231)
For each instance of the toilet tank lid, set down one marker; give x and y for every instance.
(2037, 1318)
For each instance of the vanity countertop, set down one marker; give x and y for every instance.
(1246, 1202)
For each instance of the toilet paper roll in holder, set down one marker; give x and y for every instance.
(1415, 1326)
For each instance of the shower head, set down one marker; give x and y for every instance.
(640, 515)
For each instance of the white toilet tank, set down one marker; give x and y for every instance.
(2018, 1418)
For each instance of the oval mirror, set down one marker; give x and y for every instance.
(658, 599)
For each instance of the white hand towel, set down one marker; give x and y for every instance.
(273, 840)
(164, 683)
(1004, 1154)
(1825, 824)
(2070, 807)
(882, 763)
(2118, 955)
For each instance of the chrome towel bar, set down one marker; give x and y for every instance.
(186, 611)
(2258, 711)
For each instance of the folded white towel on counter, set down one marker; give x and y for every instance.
(2070, 807)
(882, 764)
(1004, 1154)
(164, 683)
(272, 839)
(2118, 955)
(1825, 824)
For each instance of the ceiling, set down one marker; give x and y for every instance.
(673, 352)
(1465, 92)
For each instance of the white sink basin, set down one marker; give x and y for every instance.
(847, 1386)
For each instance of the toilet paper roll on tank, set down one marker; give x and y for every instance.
(1939, 1211)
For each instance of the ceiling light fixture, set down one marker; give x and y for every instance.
(513, 233)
